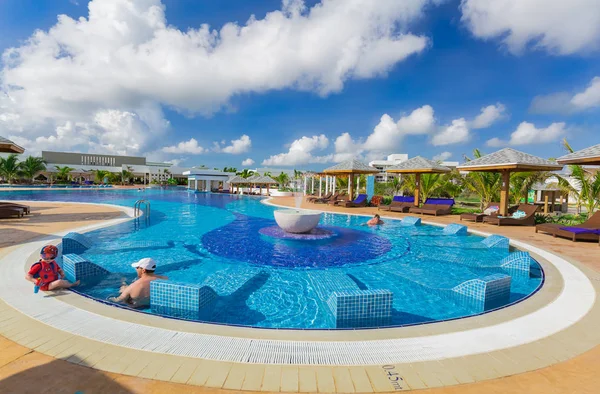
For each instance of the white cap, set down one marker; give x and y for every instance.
(145, 263)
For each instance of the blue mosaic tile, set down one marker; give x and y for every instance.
(179, 299)
(362, 307)
(455, 229)
(75, 243)
(484, 293)
(78, 268)
(241, 240)
(518, 262)
(496, 241)
(411, 221)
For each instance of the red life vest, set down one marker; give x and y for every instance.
(46, 271)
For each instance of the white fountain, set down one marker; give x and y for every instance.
(297, 221)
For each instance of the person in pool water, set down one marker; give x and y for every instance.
(137, 294)
(46, 273)
(375, 221)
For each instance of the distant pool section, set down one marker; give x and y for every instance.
(226, 263)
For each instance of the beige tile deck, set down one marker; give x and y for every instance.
(556, 364)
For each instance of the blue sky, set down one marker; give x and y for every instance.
(77, 90)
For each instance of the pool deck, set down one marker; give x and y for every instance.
(570, 362)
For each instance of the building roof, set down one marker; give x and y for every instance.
(7, 146)
(236, 179)
(351, 167)
(418, 165)
(509, 159)
(589, 156)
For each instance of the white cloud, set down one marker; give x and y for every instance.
(301, 152)
(238, 146)
(488, 116)
(568, 103)
(125, 57)
(442, 156)
(189, 147)
(558, 26)
(455, 133)
(526, 133)
(248, 162)
(589, 98)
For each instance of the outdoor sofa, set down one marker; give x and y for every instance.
(434, 206)
(586, 231)
(26, 209)
(399, 204)
(8, 212)
(527, 220)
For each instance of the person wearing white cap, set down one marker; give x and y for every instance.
(137, 294)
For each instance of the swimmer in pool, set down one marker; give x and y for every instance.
(375, 221)
(137, 294)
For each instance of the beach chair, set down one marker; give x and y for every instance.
(527, 219)
(359, 201)
(434, 206)
(478, 217)
(333, 197)
(313, 198)
(586, 231)
(399, 204)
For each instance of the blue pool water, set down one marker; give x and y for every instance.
(261, 281)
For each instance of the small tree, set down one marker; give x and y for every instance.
(282, 179)
(99, 175)
(32, 166)
(64, 173)
(10, 168)
(486, 185)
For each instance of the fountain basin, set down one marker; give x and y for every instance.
(297, 222)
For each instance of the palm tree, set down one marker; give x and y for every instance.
(10, 168)
(246, 173)
(282, 179)
(431, 184)
(340, 183)
(100, 175)
(585, 186)
(63, 173)
(268, 173)
(486, 185)
(298, 174)
(126, 175)
(451, 184)
(33, 166)
(521, 183)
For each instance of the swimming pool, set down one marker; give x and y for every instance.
(216, 240)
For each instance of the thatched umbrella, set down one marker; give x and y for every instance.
(268, 181)
(350, 168)
(505, 161)
(236, 180)
(418, 165)
(588, 156)
(7, 146)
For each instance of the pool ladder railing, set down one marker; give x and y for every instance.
(137, 208)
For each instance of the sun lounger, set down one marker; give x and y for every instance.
(333, 197)
(586, 231)
(399, 204)
(478, 217)
(434, 206)
(527, 220)
(313, 198)
(8, 212)
(360, 201)
(342, 196)
(26, 209)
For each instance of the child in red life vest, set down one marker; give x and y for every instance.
(46, 273)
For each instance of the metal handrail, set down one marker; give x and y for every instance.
(137, 208)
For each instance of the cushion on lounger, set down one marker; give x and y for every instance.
(519, 215)
(579, 230)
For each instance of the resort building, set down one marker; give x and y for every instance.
(85, 164)
(205, 179)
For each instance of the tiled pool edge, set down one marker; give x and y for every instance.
(370, 343)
